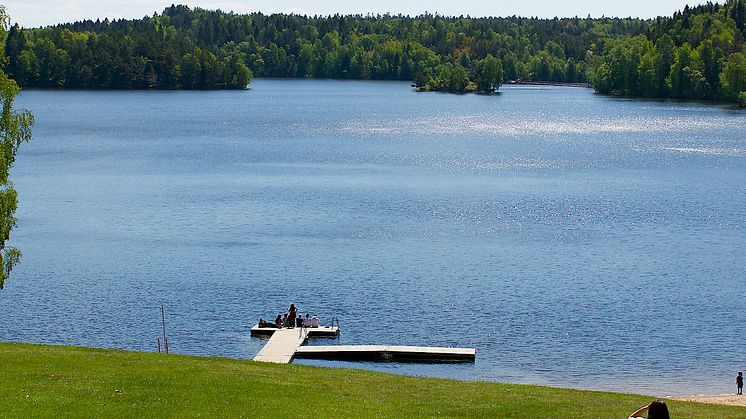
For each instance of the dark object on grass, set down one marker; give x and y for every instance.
(655, 410)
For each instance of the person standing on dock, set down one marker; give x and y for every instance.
(739, 382)
(291, 315)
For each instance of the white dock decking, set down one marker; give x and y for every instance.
(284, 343)
(281, 347)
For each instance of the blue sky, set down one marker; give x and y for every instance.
(30, 13)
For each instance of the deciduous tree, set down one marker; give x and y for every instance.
(15, 129)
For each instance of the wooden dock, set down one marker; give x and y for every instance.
(387, 353)
(321, 331)
(284, 343)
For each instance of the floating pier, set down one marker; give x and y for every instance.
(321, 331)
(286, 344)
(387, 353)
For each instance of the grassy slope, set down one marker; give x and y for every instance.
(38, 381)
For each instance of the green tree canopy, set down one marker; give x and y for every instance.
(693, 55)
(15, 128)
(167, 50)
(683, 56)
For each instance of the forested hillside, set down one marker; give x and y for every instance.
(135, 54)
(195, 48)
(696, 54)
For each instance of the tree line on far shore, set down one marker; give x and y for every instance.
(697, 53)
(185, 48)
(139, 55)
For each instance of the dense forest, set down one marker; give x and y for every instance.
(697, 53)
(195, 48)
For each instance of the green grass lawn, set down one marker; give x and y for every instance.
(54, 381)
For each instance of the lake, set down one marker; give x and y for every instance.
(575, 240)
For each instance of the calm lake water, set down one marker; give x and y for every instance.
(575, 240)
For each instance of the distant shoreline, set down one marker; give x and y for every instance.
(546, 83)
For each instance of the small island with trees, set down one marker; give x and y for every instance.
(698, 53)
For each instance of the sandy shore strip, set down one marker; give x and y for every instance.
(729, 399)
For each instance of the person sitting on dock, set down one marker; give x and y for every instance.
(299, 321)
(265, 324)
(315, 320)
(285, 322)
(278, 321)
(307, 320)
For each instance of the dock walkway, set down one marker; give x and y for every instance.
(284, 343)
(281, 347)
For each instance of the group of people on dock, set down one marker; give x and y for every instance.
(291, 319)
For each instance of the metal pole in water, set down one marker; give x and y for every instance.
(163, 320)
